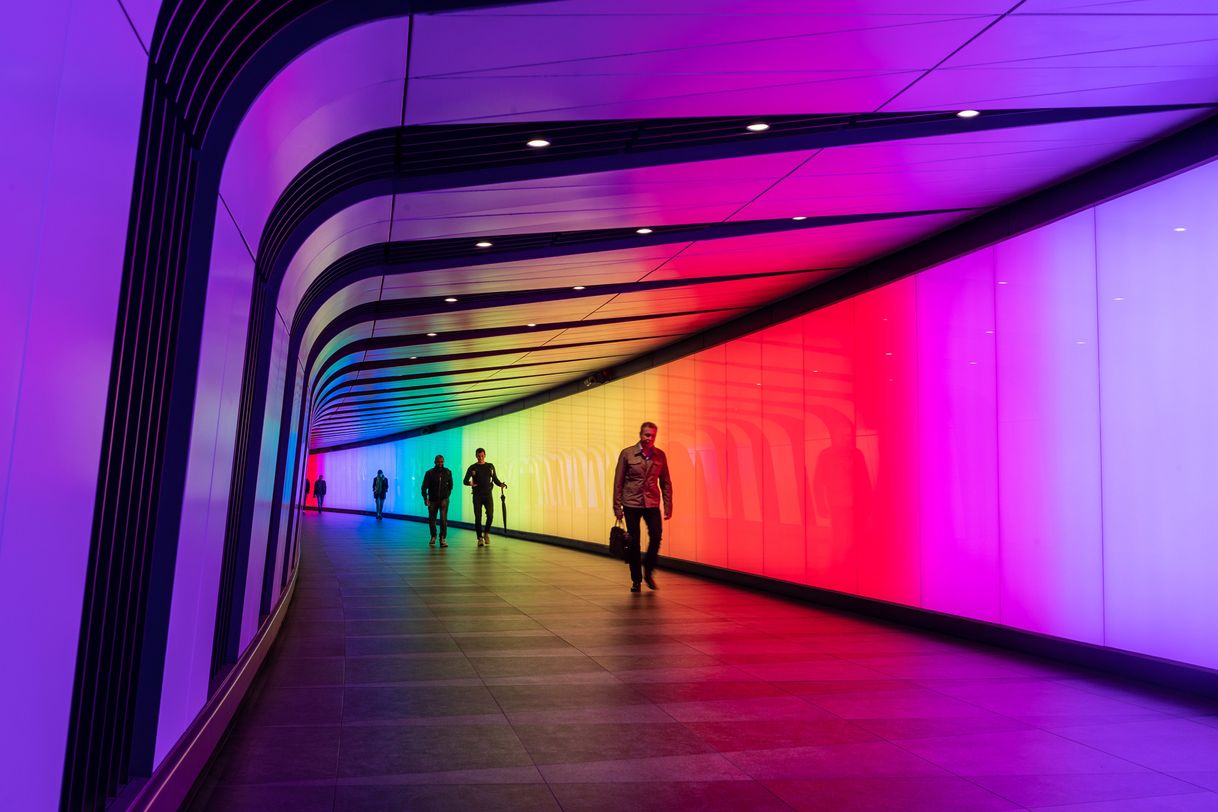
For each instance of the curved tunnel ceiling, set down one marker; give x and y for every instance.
(368, 171)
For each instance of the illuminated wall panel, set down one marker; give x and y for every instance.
(265, 499)
(958, 435)
(1159, 398)
(1022, 436)
(1048, 420)
(71, 95)
(885, 512)
(192, 615)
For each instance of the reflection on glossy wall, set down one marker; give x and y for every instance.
(1022, 436)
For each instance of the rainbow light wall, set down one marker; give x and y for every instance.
(1024, 436)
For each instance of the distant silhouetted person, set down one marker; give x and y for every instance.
(319, 491)
(437, 487)
(640, 482)
(481, 475)
(380, 487)
(308, 487)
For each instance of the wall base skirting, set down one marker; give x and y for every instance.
(177, 775)
(1161, 673)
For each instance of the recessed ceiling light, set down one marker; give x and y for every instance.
(968, 114)
(642, 231)
(759, 127)
(431, 335)
(578, 287)
(483, 244)
(538, 143)
(1179, 228)
(1118, 298)
(450, 299)
(800, 217)
(414, 358)
(1002, 283)
(530, 324)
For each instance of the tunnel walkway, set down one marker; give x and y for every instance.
(525, 676)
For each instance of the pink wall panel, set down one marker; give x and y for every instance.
(958, 434)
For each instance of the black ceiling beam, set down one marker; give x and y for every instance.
(385, 396)
(420, 256)
(406, 308)
(397, 342)
(420, 158)
(427, 255)
(388, 407)
(337, 391)
(392, 363)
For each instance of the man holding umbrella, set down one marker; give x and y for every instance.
(481, 475)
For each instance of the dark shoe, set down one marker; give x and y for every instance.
(651, 582)
(443, 543)
(634, 587)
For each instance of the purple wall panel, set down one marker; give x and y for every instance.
(1159, 396)
(208, 478)
(76, 182)
(265, 499)
(1048, 410)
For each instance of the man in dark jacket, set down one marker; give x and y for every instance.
(437, 486)
(380, 487)
(640, 482)
(319, 491)
(481, 475)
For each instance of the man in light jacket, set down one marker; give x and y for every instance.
(640, 483)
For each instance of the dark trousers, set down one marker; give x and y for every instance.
(487, 501)
(433, 508)
(655, 529)
(320, 499)
(380, 505)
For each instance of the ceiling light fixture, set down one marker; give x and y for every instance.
(538, 143)
(578, 287)
(431, 335)
(530, 324)
(968, 114)
(800, 217)
(1179, 228)
(450, 299)
(642, 231)
(483, 244)
(759, 127)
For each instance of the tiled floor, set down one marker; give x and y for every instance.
(524, 676)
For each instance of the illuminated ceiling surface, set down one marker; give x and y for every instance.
(1061, 86)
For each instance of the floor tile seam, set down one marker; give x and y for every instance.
(901, 743)
(1150, 688)
(508, 719)
(1142, 767)
(1200, 789)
